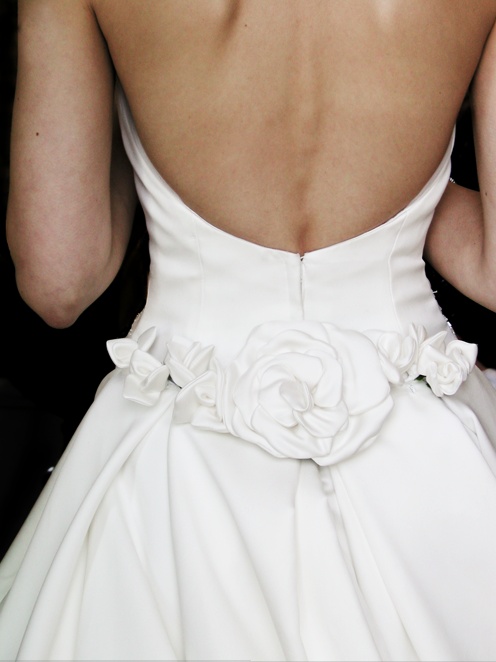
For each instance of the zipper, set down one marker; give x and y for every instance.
(300, 262)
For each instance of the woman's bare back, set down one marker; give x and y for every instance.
(295, 124)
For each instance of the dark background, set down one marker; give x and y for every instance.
(48, 377)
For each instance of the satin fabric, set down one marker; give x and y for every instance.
(163, 535)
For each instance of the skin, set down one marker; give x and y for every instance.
(293, 124)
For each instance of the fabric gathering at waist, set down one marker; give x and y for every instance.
(301, 390)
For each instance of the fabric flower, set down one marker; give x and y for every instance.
(198, 402)
(307, 391)
(398, 354)
(446, 366)
(187, 360)
(298, 390)
(147, 377)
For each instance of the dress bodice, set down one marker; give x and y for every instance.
(209, 285)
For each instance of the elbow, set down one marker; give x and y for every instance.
(59, 292)
(486, 290)
(56, 308)
(58, 319)
(54, 314)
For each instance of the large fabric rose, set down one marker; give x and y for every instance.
(307, 391)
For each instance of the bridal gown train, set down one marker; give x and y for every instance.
(291, 461)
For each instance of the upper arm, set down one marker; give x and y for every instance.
(461, 243)
(484, 116)
(59, 224)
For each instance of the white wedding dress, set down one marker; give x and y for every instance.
(291, 461)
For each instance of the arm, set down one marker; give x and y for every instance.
(461, 244)
(71, 198)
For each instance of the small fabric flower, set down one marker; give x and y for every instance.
(187, 360)
(147, 377)
(446, 366)
(398, 353)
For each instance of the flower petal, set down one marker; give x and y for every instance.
(121, 350)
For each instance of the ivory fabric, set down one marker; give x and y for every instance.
(292, 460)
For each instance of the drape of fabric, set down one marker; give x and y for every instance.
(291, 461)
